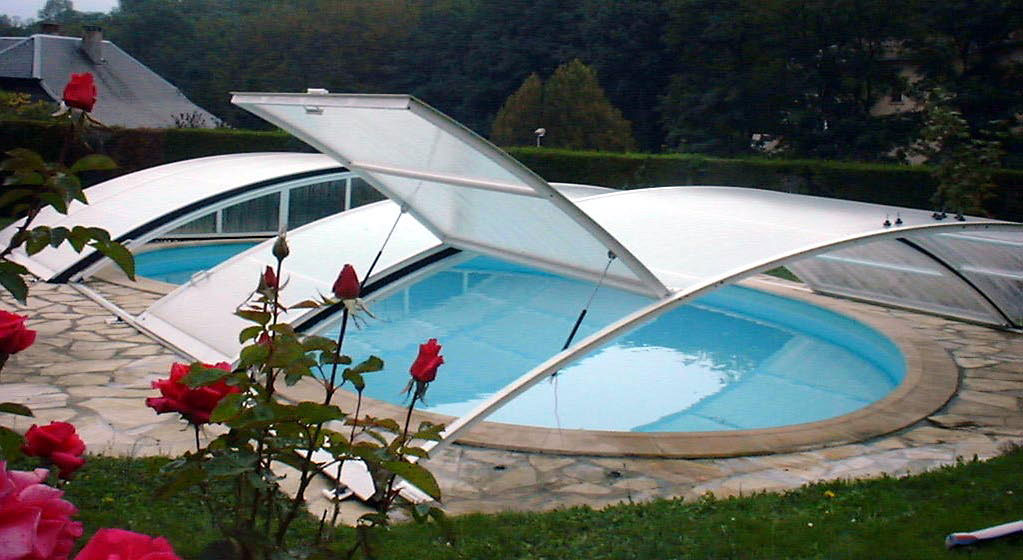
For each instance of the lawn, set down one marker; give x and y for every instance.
(886, 518)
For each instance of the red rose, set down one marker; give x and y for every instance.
(119, 544)
(347, 284)
(194, 404)
(57, 443)
(35, 523)
(14, 337)
(80, 92)
(424, 369)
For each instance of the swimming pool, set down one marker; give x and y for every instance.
(177, 263)
(734, 359)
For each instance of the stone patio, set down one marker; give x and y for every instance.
(90, 368)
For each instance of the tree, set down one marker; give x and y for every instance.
(964, 165)
(520, 115)
(573, 108)
(60, 11)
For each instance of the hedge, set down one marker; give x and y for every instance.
(896, 185)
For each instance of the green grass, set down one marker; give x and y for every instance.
(886, 518)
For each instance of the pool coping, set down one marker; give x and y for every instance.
(931, 380)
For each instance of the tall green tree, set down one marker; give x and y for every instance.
(521, 115)
(963, 163)
(572, 108)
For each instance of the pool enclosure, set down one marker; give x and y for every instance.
(452, 193)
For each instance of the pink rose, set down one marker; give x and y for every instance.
(80, 92)
(35, 523)
(57, 443)
(14, 337)
(194, 404)
(424, 369)
(118, 544)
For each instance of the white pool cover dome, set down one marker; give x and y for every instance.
(455, 192)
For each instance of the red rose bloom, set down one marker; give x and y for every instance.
(195, 405)
(57, 443)
(35, 523)
(347, 284)
(80, 92)
(119, 544)
(14, 337)
(424, 369)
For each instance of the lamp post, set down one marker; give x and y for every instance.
(540, 133)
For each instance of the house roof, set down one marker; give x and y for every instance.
(129, 94)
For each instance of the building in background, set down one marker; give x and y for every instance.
(130, 95)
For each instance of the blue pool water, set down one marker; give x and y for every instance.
(175, 265)
(734, 359)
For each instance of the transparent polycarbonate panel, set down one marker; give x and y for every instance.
(894, 273)
(205, 224)
(466, 191)
(363, 193)
(992, 261)
(540, 235)
(253, 216)
(310, 203)
(199, 316)
(132, 202)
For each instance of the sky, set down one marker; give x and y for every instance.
(27, 9)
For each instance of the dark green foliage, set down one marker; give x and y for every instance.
(572, 109)
(690, 75)
(896, 185)
(136, 149)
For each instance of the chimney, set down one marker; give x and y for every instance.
(92, 43)
(49, 28)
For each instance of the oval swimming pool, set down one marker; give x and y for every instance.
(735, 359)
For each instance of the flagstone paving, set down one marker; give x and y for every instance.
(89, 368)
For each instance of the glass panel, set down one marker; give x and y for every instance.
(255, 215)
(205, 224)
(363, 193)
(308, 204)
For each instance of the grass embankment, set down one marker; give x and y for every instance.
(886, 518)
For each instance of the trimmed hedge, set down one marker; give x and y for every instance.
(896, 185)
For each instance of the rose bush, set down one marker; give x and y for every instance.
(118, 544)
(80, 92)
(35, 523)
(194, 404)
(57, 443)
